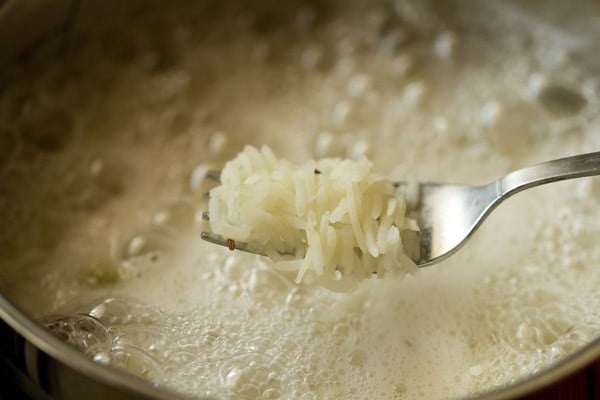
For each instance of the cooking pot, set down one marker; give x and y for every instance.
(36, 365)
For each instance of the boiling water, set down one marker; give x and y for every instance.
(103, 156)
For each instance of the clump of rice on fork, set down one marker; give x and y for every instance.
(327, 220)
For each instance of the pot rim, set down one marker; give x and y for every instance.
(69, 356)
(35, 334)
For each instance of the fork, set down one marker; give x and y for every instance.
(449, 214)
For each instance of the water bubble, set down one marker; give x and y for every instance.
(489, 113)
(107, 272)
(81, 331)
(234, 290)
(136, 245)
(400, 388)
(180, 215)
(414, 92)
(401, 65)
(392, 40)
(148, 246)
(340, 332)
(262, 344)
(357, 358)
(359, 149)
(535, 83)
(526, 334)
(233, 376)
(137, 362)
(180, 357)
(217, 142)
(358, 85)
(96, 167)
(440, 125)
(445, 44)
(198, 177)
(294, 299)
(476, 371)
(102, 358)
(340, 113)
(561, 101)
(120, 311)
(210, 336)
(253, 370)
(271, 394)
(148, 337)
(557, 351)
(324, 143)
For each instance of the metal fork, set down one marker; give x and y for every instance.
(449, 214)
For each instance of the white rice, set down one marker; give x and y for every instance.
(341, 221)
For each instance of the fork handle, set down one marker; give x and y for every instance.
(550, 171)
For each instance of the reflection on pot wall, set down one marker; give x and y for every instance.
(107, 132)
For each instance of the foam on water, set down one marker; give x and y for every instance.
(102, 195)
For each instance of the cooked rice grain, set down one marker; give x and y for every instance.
(346, 220)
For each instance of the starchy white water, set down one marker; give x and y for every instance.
(102, 161)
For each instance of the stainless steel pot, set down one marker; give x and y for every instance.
(42, 366)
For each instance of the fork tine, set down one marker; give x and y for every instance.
(242, 246)
(230, 243)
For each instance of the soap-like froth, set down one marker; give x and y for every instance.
(104, 220)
